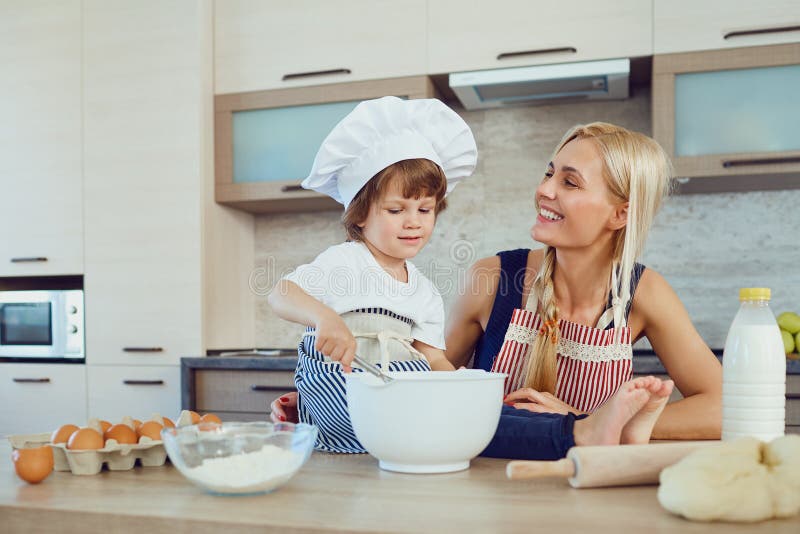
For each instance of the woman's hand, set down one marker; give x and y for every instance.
(284, 408)
(335, 340)
(537, 401)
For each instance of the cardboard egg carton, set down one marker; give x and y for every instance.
(116, 456)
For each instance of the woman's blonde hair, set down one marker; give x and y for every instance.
(636, 170)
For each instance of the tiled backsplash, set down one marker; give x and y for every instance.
(706, 246)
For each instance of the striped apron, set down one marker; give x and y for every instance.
(384, 339)
(591, 365)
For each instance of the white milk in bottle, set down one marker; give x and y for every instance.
(753, 371)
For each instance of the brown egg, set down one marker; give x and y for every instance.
(210, 418)
(62, 433)
(195, 417)
(104, 425)
(136, 424)
(168, 422)
(33, 465)
(122, 433)
(151, 429)
(85, 439)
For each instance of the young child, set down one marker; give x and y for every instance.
(390, 162)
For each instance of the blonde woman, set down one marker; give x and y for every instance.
(560, 320)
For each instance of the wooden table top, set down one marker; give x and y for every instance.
(338, 493)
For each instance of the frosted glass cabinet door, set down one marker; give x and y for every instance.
(730, 112)
(280, 143)
(741, 110)
(265, 142)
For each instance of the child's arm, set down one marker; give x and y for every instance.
(334, 339)
(435, 357)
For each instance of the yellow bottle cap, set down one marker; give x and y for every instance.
(754, 293)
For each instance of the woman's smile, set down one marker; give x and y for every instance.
(548, 215)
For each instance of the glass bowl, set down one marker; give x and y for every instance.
(239, 458)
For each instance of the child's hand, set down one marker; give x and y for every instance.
(335, 340)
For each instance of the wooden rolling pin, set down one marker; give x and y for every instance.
(608, 465)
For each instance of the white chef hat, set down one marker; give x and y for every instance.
(383, 131)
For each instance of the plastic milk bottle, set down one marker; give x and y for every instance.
(753, 371)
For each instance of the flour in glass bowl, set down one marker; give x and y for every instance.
(260, 470)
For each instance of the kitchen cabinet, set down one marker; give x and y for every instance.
(167, 269)
(156, 244)
(41, 219)
(142, 186)
(514, 33)
(266, 141)
(688, 25)
(729, 112)
(115, 391)
(271, 44)
(236, 388)
(37, 397)
(239, 395)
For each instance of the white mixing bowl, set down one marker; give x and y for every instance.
(425, 422)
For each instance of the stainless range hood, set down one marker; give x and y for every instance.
(590, 80)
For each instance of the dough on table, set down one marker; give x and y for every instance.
(742, 480)
(783, 457)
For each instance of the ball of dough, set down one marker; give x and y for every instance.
(782, 457)
(743, 480)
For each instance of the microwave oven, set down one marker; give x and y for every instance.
(42, 324)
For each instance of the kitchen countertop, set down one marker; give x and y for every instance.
(644, 362)
(338, 493)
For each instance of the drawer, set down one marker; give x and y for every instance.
(793, 386)
(239, 391)
(41, 397)
(117, 391)
(793, 411)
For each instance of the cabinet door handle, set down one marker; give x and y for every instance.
(793, 396)
(143, 382)
(260, 387)
(292, 188)
(510, 55)
(31, 380)
(298, 75)
(32, 259)
(142, 349)
(760, 31)
(727, 163)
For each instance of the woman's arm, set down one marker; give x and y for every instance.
(697, 374)
(471, 310)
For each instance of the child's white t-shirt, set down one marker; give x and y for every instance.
(347, 277)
